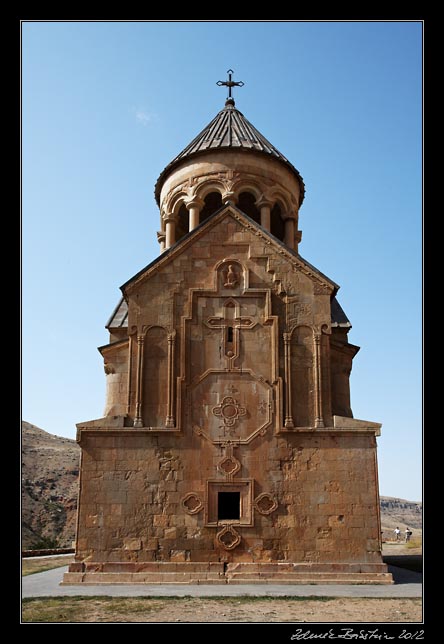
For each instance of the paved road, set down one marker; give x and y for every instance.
(407, 584)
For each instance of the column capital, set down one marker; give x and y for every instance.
(228, 195)
(169, 216)
(194, 202)
(263, 201)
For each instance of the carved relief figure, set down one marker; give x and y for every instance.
(231, 277)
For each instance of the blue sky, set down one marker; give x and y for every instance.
(106, 106)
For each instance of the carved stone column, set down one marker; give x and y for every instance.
(161, 240)
(138, 420)
(130, 370)
(289, 232)
(170, 422)
(265, 208)
(288, 423)
(319, 420)
(194, 207)
(170, 231)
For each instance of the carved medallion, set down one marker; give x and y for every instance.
(228, 537)
(221, 416)
(191, 503)
(229, 466)
(230, 411)
(265, 503)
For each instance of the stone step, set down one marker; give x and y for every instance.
(309, 581)
(93, 578)
(97, 578)
(303, 568)
(307, 575)
(148, 567)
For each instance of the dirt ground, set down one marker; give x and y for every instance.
(219, 609)
(222, 609)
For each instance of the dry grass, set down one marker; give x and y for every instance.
(40, 564)
(414, 543)
(220, 609)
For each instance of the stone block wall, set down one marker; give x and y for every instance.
(134, 490)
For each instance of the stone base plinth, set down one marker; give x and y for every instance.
(231, 573)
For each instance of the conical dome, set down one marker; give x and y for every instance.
(228, 130)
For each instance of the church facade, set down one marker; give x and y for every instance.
(228, 452)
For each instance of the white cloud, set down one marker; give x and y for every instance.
(143, 116)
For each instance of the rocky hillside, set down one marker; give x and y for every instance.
(50, 474)
(399, 512)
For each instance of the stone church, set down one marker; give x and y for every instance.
(228, 452)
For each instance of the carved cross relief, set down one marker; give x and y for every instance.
(231, 324)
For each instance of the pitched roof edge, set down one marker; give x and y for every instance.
(112, 345)
(111, 317)
(246, 220)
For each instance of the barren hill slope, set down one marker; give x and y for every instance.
(50, 473)
(401, 513)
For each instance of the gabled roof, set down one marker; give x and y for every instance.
(228, 209)
(338, 317)
(229, 129)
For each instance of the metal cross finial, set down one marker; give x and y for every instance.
(230, 83)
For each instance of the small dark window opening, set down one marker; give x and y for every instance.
(182, 222)
(229, 334)
(212, 203)
(228, 506)
(246, 203)
(277, 223)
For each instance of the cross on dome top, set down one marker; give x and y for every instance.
(230, 83)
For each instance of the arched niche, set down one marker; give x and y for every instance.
(155, 377)
(302, 378)
(230, 275)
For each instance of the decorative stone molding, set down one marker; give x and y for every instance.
(288, 423)
(170, 420)
(228, 538)
(265, 503)
(191, 503)
(229, 410)
(138, 421)
(243, 487)
(229, 466)
(319, 420)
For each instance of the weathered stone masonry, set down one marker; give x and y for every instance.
(228, 452)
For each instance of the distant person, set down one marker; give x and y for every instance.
(397, 532)
(408, 534)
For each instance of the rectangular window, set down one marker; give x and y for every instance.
(229, 502)
(228, 506)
